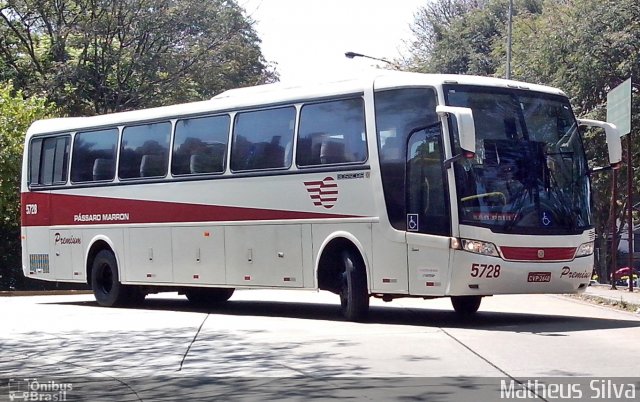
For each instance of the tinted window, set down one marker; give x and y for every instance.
(94, 155)
(398, 112)
(332, 133)
(144, 151)
(49, 160)
(200, 145)
(427, 209)
(34, 161)
(262, 139)
(529, 174)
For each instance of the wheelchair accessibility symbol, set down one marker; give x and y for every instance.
(412, 223)
(545, 219)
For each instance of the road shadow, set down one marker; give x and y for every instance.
(543, 324)
(168, 363)
(154, 364)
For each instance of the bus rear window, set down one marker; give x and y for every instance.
(49, 160)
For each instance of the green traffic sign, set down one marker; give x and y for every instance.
(619, 107)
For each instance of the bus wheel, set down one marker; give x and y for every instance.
(466, 306)
(206, 296)
(105, 283)
(354, 296)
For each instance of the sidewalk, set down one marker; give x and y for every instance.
(603, 294)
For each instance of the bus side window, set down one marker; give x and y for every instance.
(49, 160)
(94, 155)
(332, 133)
(200, 145)
(260, 139)
(144, 151)
(35, 152)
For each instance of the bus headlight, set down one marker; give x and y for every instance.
(585, 249)
(479, 247)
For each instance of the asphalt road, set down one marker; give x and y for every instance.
(294, 345)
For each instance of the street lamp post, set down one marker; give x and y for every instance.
(351, 55)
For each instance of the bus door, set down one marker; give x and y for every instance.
(428, 215)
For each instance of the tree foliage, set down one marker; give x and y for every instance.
(461, 36)
(97, 56)
(16, 114)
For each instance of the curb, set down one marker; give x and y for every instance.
(618, 304)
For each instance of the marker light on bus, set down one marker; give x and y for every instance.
(585, 249)
(475, 246)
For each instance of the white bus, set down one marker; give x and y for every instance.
(394, 185)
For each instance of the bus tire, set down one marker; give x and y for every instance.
(466, 306)
(354, 296)
(105, 282)
(208, 296)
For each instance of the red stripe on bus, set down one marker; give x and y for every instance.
(323, 199)
(62, 209)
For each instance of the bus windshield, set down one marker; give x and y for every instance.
(529, 174)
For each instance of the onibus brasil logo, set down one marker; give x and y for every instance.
(32, 389)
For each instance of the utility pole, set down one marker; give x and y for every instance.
(613, 228)
(630, 194)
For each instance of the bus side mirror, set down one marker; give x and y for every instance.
(466, 126)
(613, 139)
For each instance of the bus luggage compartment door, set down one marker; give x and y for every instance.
(198, 255)
(149, 255)
(264, 255)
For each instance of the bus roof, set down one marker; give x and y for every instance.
(276, 93)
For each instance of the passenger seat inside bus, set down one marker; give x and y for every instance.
(332, 151)
(392, 149)
(152, 166)
(102, 169)
(202, 163)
